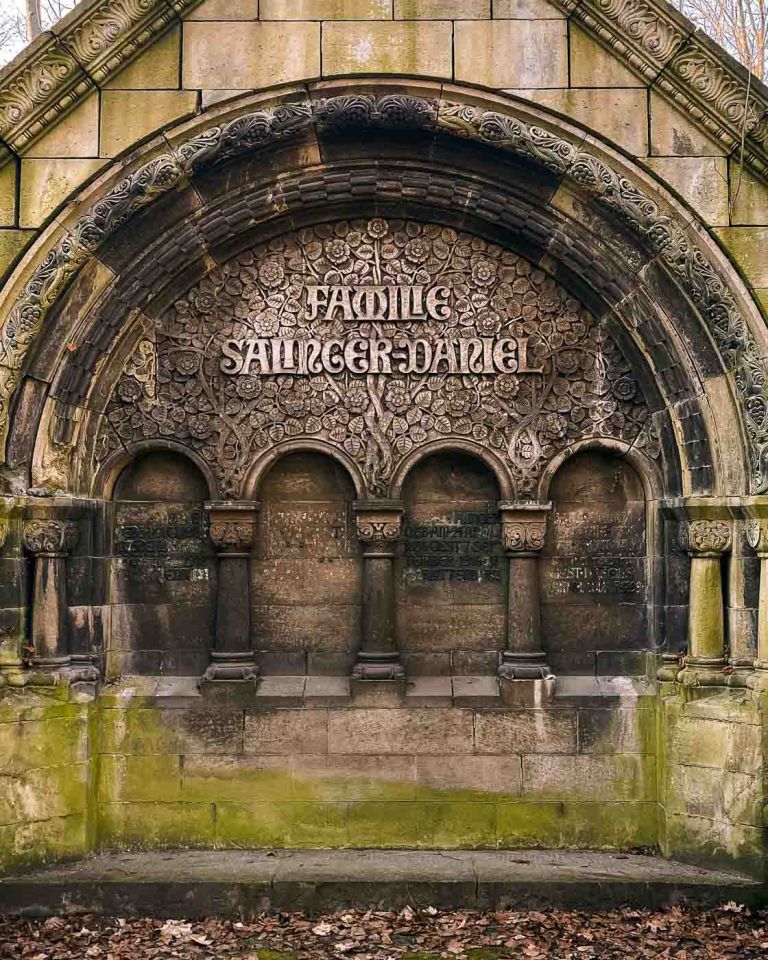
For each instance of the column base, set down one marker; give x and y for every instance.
(523, 666)
(232, 668)
(703, 672)
(758, 679)
(669, 669)
(82, 670)
(738, 672)
(378, 666)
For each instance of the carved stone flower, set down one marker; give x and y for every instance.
(489, 324)
(507, 386)
(200, 426)
(187, 363)
(378, 228)
(129, 390)
(357, 400)
(483, 272)
(271, 273)
(337, 251)
(397, 397)
(247, 387)
(205, 301)
(417, 250)
(295, 404)
(624, 388)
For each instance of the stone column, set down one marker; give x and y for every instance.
(524, 530)
(378, 526)
(232, 528)
(50, 541)
(757, 537)
(705, 541)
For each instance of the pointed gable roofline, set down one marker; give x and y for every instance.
(99, 37)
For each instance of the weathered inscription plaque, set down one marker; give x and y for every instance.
(173, 536)
(460, 546)
(594, 574)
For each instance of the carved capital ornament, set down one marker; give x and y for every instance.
(49, 537)
(705, 537)
(524, 536)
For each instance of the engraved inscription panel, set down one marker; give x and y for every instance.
(594, 572)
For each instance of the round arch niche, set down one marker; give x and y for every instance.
(451, 590)
(596, 567)
(307, 575)
(163, 572)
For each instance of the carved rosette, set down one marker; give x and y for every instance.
(705, 538)
(232, 526)
(49, 537)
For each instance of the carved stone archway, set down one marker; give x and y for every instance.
(601, 224)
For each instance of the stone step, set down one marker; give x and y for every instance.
(241, 884)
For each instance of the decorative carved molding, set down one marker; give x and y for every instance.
(49, 536)
(377, 531)
(574, 383)
(524, 536)
(675, 248)
(660, 44)
(84, 50)
(705, 537)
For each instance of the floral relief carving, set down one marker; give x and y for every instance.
(384, 531)
(684, 259)
(705, 536)
(173, 387)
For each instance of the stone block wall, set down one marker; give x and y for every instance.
(181, 771)
(711, 792)
(526, 47)
(45, 779)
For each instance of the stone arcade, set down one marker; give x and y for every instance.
(385, 457)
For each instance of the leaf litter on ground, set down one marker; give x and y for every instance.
(677, 933)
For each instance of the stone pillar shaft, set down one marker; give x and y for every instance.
(705, 541)
(524, 529)
(378, 526)
(232, 528)
(49, 541)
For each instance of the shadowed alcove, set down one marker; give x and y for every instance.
(306, 588)
(595, 576)
(451, 594)
(162, 583)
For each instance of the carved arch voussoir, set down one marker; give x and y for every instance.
(495, 128)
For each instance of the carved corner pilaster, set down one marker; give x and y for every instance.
(524, 527)
(705, 538)
(378, 526)
(51, 538)
(232, 526)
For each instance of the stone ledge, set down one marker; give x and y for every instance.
(245, 883)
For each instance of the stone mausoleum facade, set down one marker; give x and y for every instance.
(384, 417)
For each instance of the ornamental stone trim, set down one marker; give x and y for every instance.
(686, 261)
(524, 536)
(83, 51)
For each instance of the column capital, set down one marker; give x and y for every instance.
(49, 537)
(523, 526)
(756, 532)
(378, 523)
(232, 524)
(705, 538)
